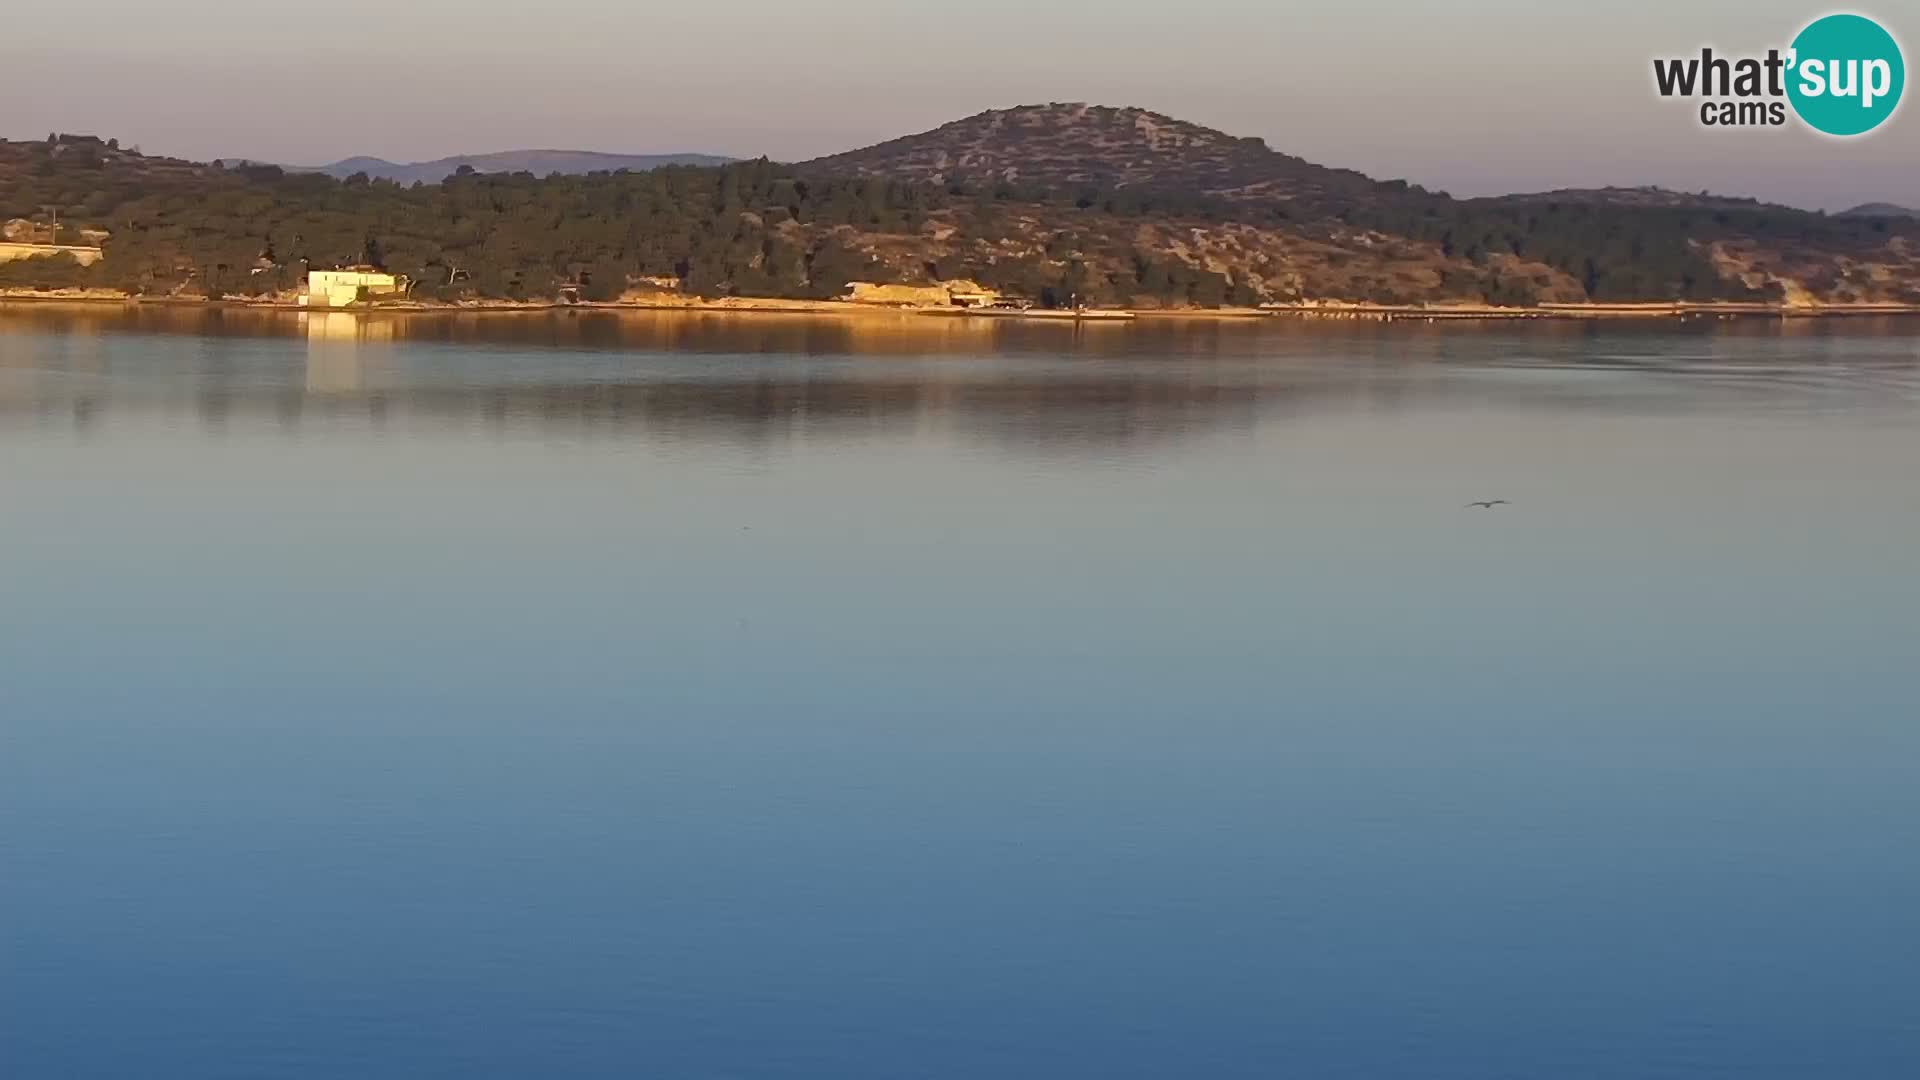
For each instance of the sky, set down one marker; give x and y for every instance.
(1470, 97)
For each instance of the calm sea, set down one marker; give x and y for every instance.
(631, 696)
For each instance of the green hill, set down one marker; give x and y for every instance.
(1053, 203)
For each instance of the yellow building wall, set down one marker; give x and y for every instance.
(85, 256)
(341, 288)
(941, 295)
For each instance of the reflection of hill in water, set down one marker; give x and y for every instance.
(768, 378)
(1029, 411)
(667, 373)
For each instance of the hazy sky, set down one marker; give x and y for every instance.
(1475, 97)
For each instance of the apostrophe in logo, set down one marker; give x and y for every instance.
(1847, 75)
(1842, 75)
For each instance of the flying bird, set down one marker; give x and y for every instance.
(1488, 505)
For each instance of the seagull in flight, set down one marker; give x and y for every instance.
(1488, 505)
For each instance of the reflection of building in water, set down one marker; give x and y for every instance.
(338, 360)
(353, 286)
(59, 342)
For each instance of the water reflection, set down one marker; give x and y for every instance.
(759, 378)
(343, 348)
(678, 695)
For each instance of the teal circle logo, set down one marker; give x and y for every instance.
(1847, 75)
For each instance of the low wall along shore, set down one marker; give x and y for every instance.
(85, 256)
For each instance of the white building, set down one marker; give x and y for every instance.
(354, 285)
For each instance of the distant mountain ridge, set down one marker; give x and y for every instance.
(1651, 195)
(537, 162)
(1880, 209)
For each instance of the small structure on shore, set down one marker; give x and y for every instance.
(352, 286)
(82, 254)
(945, 294)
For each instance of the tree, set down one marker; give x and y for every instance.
(604, 281)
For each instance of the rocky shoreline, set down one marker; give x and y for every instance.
(776, 306)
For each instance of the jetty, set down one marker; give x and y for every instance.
(1052, 314)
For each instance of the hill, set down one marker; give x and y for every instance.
(537, 162)
(1880, 209)
(1056, 204)
(1348, 233)
(1064, 146)
(1647, 196)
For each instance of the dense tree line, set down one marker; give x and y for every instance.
(753, 229)
(1618, 252)
(256, 229)
(762, 229)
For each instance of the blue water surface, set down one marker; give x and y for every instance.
(613, 696)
